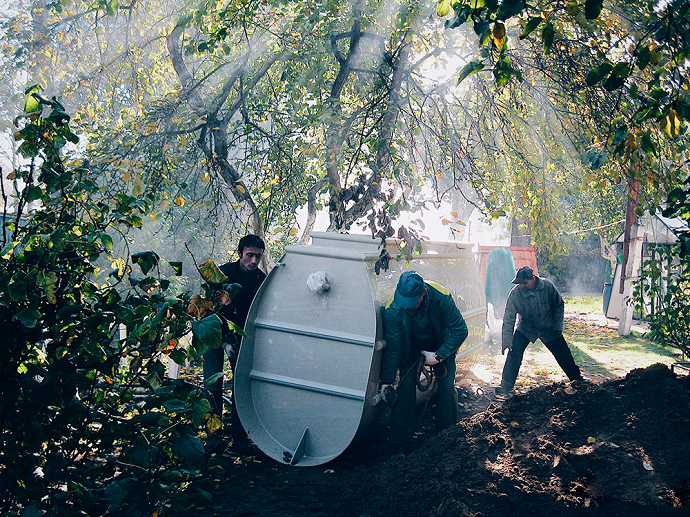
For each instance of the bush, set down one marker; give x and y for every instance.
(665, 281)
(90, 424)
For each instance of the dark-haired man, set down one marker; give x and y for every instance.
(244, 271)
(540, 308)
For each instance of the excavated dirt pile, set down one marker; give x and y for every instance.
(617, 448)
(620, 446)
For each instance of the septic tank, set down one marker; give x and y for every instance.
(308, 370)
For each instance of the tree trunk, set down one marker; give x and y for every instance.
(629, 274)
(632, 256)
(519, 237)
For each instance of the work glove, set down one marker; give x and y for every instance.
(430, 358)
(386, 394)
(505, 347)
(231, 345)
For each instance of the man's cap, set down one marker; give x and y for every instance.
(410, 288)
(523, 274)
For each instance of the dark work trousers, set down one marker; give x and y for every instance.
(558, 347)
(213, 364)
(402, 415)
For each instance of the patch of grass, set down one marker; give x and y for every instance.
(584, 304)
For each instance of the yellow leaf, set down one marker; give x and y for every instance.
(499, 33)
(138, 186)
(293, 231)
(205, 177)
(152, 216)
(213, 424)
(240, 188)
(671, 124)
(443, 8)
(591, 439)
(515, 424)
(126, 176)
(179, 201)
(151, 128)
(198, 306)
(210, 272)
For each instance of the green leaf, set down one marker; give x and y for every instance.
(32, 104)
(177, 266)
(461, 15)
(190, 449)
(510, 8)
(469, 69)
(481, 28)
(593, 9)
(643, 57)
(547, 35)
(618, 76)
(200, 410)
(232, 290)
(106, 239)
(236, 329)
(646, 144)
(28, 317)
(214, 378)
(146, 260)
(175, 405)
(598, 73)
(17, 288)
(8, 249)
(207, 333)
(532, 24)
(68, 311)
(33, 193)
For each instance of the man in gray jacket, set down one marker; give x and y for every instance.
(540, 308)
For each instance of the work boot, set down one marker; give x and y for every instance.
(579, 384)
(502, 392)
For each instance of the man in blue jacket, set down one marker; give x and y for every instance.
(422, 323)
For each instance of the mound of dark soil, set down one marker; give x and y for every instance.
(617, 448)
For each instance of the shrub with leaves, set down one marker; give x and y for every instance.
(664, 284)
(90, 423)
(665, 280)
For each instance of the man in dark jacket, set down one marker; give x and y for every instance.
(540, 307)
(244, 271)
(422, 323)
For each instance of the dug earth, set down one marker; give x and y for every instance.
(620, 447)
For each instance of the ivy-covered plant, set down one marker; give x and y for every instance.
(90, 424)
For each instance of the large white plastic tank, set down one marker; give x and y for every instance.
(308, 369)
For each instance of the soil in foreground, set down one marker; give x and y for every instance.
(621, 447)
